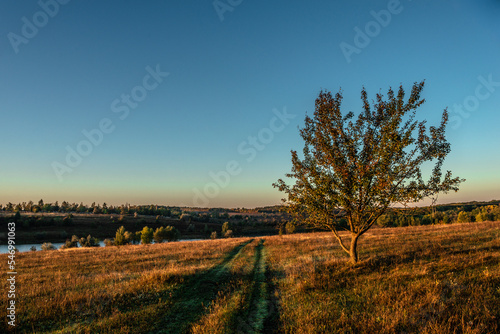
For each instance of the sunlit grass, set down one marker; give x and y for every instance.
(442, 279)
(58, 288)
(425, 279)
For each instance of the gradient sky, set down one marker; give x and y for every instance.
(231, 71)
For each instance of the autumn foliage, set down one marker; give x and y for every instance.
(354, 168)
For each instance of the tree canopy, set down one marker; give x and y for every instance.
(354, 168)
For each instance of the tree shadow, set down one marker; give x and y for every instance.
(170, 311)
(189, 302)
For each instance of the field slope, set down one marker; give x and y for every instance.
(426, 279)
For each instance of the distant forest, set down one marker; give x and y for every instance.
(66, 207)
(124, 209)
(442, 214)
(395, 217)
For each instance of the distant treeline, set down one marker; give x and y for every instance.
(66, 207)
(442, 214)
(152, 209)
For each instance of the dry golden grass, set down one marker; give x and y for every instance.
(221, 315)
(426, 279)
(57, 289)
(432, 279)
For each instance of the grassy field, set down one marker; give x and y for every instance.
(426, 279)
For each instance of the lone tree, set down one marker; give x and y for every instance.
(354, 169)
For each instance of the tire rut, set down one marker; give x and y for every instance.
(254, 319)
(190, 299)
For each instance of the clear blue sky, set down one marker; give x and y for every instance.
(78, 66)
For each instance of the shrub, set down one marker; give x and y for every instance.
(213, 236)
(384, 220)
(71, 243)
(225, 228)
(463, 217)
(168, 233)
(46, 246)
(146, 235)
(89, 242)
(137, 237)
(290, 228)
(228, 234)
(120, 238)
(159, 235)
(130, 238)
(486, 214)
(415, 221)
(108, 242)
(171, 233)
(496, 214)
(402, 221)
(33, 248)
(427, 220)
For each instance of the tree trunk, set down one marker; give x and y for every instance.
(353, 251)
